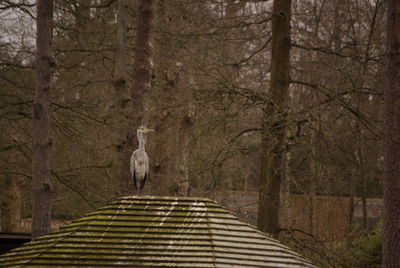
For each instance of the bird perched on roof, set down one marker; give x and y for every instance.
(140, 160)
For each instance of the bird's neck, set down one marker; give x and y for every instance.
(141, 141)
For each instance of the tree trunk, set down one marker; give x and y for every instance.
(314, 173)
(274, 124)
(179, 169)
(122, 47)
(391, 206)
(142, 75)
(170, 169)
(163, 155)
(352, 193)
(284, 211)
(120, 84)
(42, 190)
(183, 183)
(361, 176)
(11, 205)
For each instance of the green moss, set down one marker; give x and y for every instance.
(182, 232)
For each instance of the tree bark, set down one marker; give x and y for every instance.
(11, 205)
(163, 155)
(142, 75)
(391, 206)
(274, 122)
(171, 157)
(314, 174)
(42, 190)
(352, 193)
(120, 84)
(361, 175)
(122, 46)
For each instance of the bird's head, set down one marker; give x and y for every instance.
(143, 129)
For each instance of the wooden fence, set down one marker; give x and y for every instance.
(26, 224)
(331, 215)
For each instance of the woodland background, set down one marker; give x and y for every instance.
(207, 102)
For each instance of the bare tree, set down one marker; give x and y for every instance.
(120, 81)
(391, 214)
(42, 190)
(122, 50)
(274, 122)
(162, 179)
(142, 75)
(171, 100)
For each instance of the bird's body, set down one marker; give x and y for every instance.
(140, 161)
(139, 168)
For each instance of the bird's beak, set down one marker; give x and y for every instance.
(149, 130)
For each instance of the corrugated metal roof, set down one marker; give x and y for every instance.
(156, 232)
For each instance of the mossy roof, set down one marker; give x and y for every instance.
(155, 232)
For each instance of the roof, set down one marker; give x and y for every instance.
(156, 232)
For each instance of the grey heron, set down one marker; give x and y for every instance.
(140, 160)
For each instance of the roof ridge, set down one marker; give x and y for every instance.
(166, 198)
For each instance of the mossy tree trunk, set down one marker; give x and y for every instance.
(274, 121)
(42, 190)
